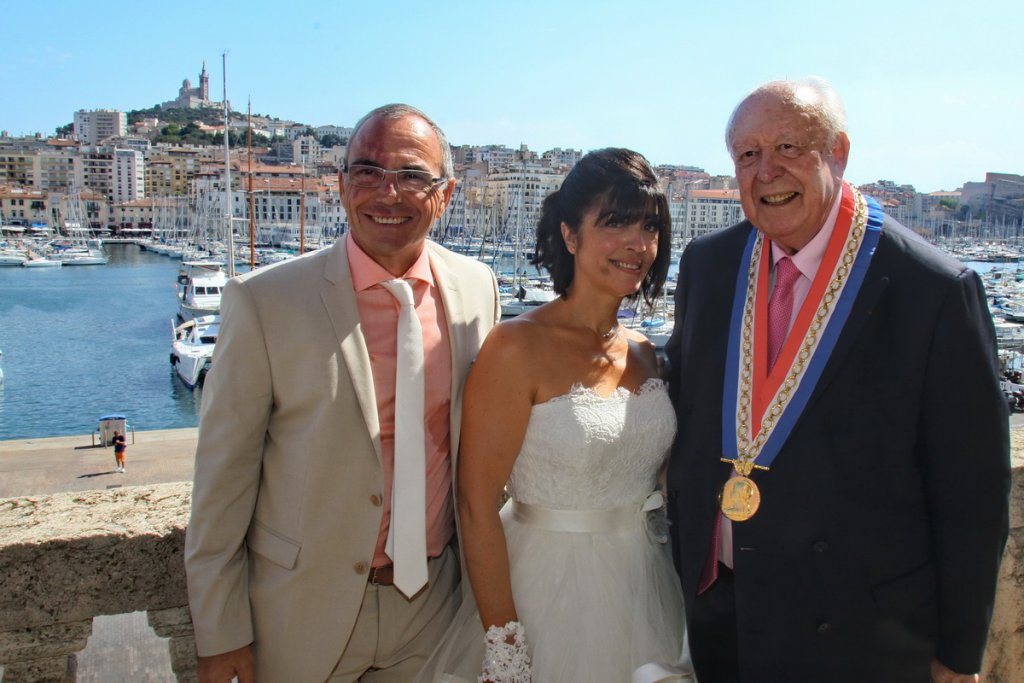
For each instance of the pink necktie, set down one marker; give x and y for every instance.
(780, 307)
(780, 311)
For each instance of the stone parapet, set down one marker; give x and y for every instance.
(1004, 654)
(68, 557)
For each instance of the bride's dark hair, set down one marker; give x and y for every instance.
(620, 184)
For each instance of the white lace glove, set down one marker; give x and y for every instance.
(505, 657)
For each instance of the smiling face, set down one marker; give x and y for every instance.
(787, 172)
(612, 252)
(389, 224)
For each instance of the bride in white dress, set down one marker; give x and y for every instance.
(572, 581)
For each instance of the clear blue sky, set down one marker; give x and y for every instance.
(934, 91)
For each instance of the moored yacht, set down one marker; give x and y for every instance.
(199, 288)
(192, 345)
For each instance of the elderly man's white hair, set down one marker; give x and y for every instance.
(812, 96)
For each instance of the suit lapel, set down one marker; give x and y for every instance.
(864, 305)
(447, 285)
(339, 299)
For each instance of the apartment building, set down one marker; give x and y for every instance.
(566, 158)
(514, 197)
(708, 210)
(170, 170)
(24, 208)
(92, 127)
(96, 171)
(129, 175)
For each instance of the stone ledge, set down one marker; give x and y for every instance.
(72, 556)
(67, 557)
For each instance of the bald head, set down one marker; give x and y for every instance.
(813, 98)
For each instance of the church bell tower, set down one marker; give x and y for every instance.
(204, 84)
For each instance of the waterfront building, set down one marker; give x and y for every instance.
(92, 127)
(141, 216)
(23, 208)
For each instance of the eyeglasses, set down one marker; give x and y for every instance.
(407, 180)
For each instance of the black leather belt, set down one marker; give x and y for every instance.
(382, 576)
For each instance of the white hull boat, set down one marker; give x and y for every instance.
(199, 288)
(41, 263)
(192, 345)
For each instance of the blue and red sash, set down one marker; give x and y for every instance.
(761, 407)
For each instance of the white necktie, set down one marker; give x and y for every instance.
(407, 533)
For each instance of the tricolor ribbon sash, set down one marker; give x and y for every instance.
(761, 407)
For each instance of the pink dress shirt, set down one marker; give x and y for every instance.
(378, 315)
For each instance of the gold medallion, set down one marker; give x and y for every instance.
(740, 499)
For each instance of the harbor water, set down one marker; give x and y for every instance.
(85, 341)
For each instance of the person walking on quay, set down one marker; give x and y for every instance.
(320, 542)
(120, 447)
(839, 483)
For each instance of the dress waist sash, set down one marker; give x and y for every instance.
(604, 521)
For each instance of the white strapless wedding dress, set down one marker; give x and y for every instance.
(591, 568)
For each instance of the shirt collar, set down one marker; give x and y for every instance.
(809, 258)
(368, 273)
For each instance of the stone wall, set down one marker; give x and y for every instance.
(1004, 654)
(68, 557)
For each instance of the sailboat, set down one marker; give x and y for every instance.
(202, 281)
(76, 250)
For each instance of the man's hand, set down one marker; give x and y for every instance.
(942, 674)
(225, 666)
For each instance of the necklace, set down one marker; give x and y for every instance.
(612, 331)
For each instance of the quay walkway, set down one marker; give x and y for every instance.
(31, 467)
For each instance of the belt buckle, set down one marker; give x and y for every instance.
(381, 576)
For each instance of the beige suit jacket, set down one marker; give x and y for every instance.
(288, 464)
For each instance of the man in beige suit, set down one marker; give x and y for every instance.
(289, 576)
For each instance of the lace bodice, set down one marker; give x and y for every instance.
(584, 451)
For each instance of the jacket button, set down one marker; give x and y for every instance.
(376, 500)
(824, 627)
(820, 546)
(361, 567)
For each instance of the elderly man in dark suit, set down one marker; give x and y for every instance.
(839, 483)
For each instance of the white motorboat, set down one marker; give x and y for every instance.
(12, 257)
(199, 287)
(192, 345)
(83, 256)
(525, 298)
(41, 262)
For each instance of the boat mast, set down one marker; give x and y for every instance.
(227, 172)
(252, 207)
(302, 208)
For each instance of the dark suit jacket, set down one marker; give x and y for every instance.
(884, 516)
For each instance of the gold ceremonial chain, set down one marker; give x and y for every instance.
(746, 451)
